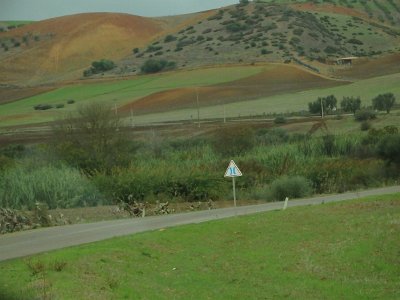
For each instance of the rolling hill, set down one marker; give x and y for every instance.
(60, 48)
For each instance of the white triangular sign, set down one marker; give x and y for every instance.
(233, 170)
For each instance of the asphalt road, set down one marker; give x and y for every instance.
(26, 243)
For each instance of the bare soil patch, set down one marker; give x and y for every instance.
(371, 67)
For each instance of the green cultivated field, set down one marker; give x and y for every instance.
(124, 91)
(119, 92)
(294, 102)
(346, 250)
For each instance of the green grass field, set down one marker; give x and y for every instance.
(286, 103)
(346, 250)
(123, 91)
(118, 92)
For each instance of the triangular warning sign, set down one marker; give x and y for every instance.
(232, 170)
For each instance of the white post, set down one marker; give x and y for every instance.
(132, 123)
(286, 203)
(224, 113)
(234, 191)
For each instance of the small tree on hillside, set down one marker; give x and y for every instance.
(384, 102)
(351, 104)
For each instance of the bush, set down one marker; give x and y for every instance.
(292, 187)
(273, 136)
(169, 38)
(365, 125)
(364, 115)
(265, 51)
(236, 27)
(99, 67)
(389, 148)
(230, 141)
(280, 120)
(154, 66)
(70, 101)
(60, 105)
(43, 107)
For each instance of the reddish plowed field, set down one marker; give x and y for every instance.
(372, 67)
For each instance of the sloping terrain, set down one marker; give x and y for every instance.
(60, 48)
(309, 34)
(276, 79)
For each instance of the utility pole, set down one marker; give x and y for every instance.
(223, 104)
(132, 124)
(322, 109)
(198, 106)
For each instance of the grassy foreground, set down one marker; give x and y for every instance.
(335, 251)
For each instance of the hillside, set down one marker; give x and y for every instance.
(313, 35)
(60, 48)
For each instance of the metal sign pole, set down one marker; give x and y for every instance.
(234, 191)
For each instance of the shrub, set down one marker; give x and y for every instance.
(135, 50)
(99, 67)
(154, 66)
(70, 101)
(292, 187)
(364, 115)
(273, 136)
(236, 27)
(60, 105)
(43, 107)
(389, 148)
(169, 38)
(230, 141)
(365, 125)
(355, 41)
(298, 31)
(265, 51)
(280, 120)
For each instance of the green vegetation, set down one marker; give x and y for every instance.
(384, 102)
(92, 144)
(350, 104)
(331, 251)
(121, 92)
(328, 104)
(155, 66)
(291, 187)
(99, 67)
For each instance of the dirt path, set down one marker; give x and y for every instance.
(41, 240)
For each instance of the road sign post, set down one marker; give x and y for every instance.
(233, 172)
